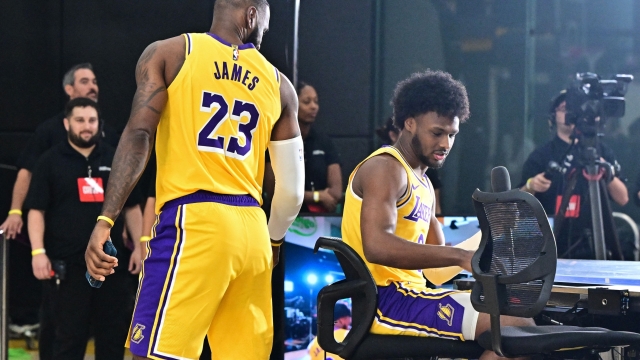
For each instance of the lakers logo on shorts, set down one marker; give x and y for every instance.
(446, 313)
(136, 334)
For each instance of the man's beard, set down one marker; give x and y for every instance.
(78, 141)
(253, 38)
(416, 145)
(94, 93)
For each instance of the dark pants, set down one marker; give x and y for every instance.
(74, 310)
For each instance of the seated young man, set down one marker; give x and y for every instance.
(389, 216)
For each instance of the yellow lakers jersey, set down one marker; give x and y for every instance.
(215, 128)
(414, 215)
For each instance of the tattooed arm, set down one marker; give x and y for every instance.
(157, 67)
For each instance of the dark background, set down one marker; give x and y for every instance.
(513, 56)
(508, 53)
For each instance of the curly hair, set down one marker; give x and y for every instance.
(429, 91)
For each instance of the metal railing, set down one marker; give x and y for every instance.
(631, 228)
(4, 266)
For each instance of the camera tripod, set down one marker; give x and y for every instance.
(593, 170)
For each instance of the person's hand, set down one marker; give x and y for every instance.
(276, 255)
(135, 261)
(538, 183)
(41, 267)
(328, 201)
(12, 226)
(99, 264)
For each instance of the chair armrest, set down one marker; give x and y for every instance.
(327, 298)
(359, 286)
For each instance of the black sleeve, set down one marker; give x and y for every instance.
(331, 153)
(135, 198)
(151, 192)
(607, 153)
(432, 174)
(609, 156)
(36, 146)
(535, 164)
(39, 195)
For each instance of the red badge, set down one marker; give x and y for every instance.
(90, 189)
(573, 208)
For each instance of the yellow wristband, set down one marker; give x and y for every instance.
(277, 243)
(15, 212)
(145, 238)
(316, 196)
(109, 221)
(528, 185)
(35, 252)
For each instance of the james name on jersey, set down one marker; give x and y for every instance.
(222, 73)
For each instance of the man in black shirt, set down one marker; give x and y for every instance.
(65, 197)
(79, 81)
(574, 241)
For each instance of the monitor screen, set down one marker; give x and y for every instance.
(306, 273)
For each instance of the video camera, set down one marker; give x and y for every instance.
(591, 101)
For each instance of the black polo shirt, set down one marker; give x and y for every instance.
(573, 228)
(319, 153)
(68, 221)
(555, 150)
(50, 133)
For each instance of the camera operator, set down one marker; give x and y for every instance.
(65, 197)
(548, 184)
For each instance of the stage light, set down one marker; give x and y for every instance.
(328, 279)
(312, 279)
(288, 286)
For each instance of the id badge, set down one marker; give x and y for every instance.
(573, 208)
(90, 189)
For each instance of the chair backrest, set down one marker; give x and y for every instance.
(515, 264)
(357, 285)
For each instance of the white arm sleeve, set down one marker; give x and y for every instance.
(287, 160)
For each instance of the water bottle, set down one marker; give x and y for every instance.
(109, 249)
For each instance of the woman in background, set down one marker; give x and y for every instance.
(323, 176)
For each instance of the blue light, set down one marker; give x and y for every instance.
(312, 279)
(288, 286)
(328, 279)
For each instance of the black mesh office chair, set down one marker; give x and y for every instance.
(514, 269)
(359, 343)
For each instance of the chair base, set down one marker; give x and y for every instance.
(550, 340)
(398, 346)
